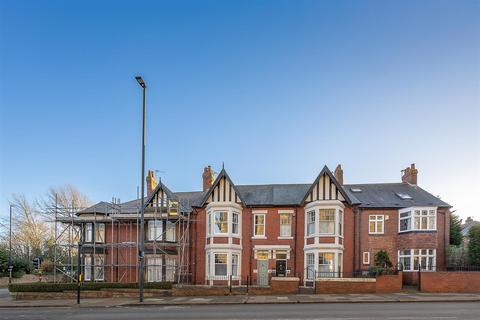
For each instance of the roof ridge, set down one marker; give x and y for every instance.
(273, 184)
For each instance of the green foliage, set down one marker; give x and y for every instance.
(474, 245)
(383, 260)
(60, 287)
(457, 256)
(456, 237)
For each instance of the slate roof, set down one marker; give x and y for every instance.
(467, 226)
(385, 195)
(376, 195)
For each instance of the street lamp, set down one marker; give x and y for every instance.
(10, 267)
(141, 252)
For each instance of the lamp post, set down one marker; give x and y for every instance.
(10, 267)
(141, 252)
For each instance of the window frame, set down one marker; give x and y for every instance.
(99, 268)
(287, 226)
(311, 222)
(310, 263)
(331, 266)
(235, 223)
(89, 232)
(366, 254)
(429, 255)
(157, 224)
(415, 214)
(215, 223)
(215, 264)
(375, 219)
(255, 224)
(331, 212)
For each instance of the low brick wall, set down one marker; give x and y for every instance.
(450, 282)
(284, 285)
(27, 278)
(389, 283)
(345, 285)
(198, 290)
(90, 294)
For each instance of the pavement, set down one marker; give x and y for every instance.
(324, 311)
(6, 301)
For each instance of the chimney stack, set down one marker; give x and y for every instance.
(208, 177)
(151, 182)
(409, 175)
(338, 173)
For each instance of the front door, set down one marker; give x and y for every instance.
(281, 268)
(262, 269)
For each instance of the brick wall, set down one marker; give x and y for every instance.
(284, 285)
(345, 285)
(389, 283)
(450, 282)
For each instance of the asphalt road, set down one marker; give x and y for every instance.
(343, 311)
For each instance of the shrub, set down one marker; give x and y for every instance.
(60, 287)
(456, 237)
(474, 245)
(382, 259)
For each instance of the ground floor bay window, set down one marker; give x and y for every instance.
(160, 268)
(94, 267)
(323, 264)
(221, 265)
(413, 259)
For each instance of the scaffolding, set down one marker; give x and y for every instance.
(113, 243)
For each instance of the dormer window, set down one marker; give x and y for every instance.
(417, 219)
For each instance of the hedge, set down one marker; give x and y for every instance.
(59, 287)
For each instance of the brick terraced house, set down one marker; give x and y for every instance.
(249, 233)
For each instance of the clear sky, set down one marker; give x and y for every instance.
(275, 89)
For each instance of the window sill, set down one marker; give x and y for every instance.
(418, 231)
(259, 237)
(376, 233)
(285, 238)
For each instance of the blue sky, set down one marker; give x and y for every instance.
(275, 89)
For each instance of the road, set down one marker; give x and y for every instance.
(342, 311)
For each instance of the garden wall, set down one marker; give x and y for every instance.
(450, 282)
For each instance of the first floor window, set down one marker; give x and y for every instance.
(155, 230)
(235, 223)
(209, 223)
(310, 223)
(375, 224)
(418, 219)
(221, 264)
(259, 228)
(100, 232)
(326, 264)
(221, 222)
(209, 271)
(414, 259)
(327, 221)
(285, 225)
(310, 258)
(340, 223)
(99, 267)
(234, 265)
(170, 234)
(405, 221)
(87, 268)
(88, 232)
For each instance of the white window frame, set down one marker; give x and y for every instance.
(235, 264)
(340, 223)
(170, 233)
(375, 219)
(235, 223)
(87, 267)
(310, 263)
(255, 215)
(413, 254)
(311, 222)
(417, 214)
(221, 222)
(153, 226)
(285, 228)
(215, 264)
(99, 267)
(88, 232)
(329, 222)
(100, 232)
(154, 268)
(366, 258)
(209, 223)
(332, 266)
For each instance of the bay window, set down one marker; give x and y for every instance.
(234, 265)
(154, 268)
(417, 219)
(99, 267)
(310, 258)
(88, 232)
(326, 221)
(170, 234)
(100, 232)
(87, 268)
(340, 223)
